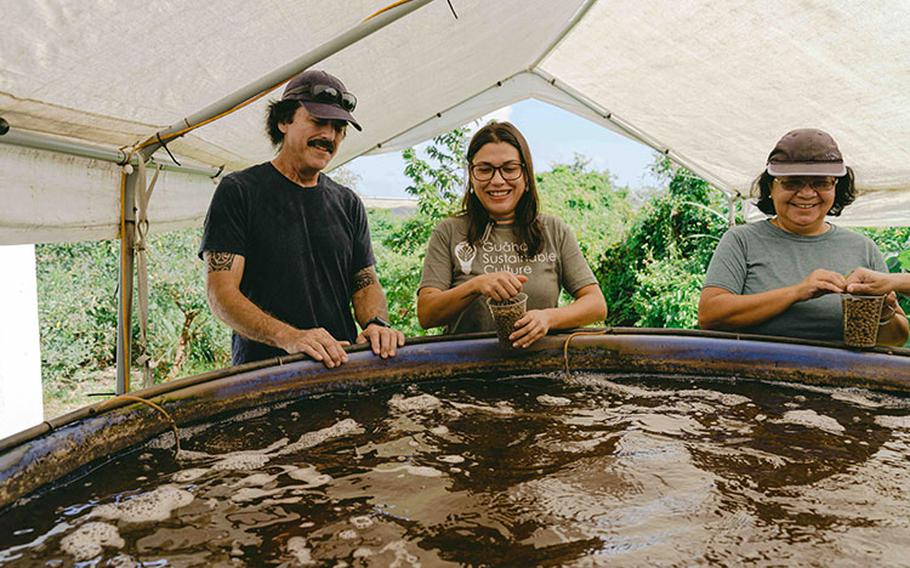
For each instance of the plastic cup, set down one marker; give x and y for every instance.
(506, 313)
(861, 317)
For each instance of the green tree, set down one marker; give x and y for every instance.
(588, 202)
(672, 239)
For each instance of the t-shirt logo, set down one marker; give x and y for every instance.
(465, 253)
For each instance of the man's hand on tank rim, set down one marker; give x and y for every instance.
(383, 340)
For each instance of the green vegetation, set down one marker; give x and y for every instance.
(649, 260)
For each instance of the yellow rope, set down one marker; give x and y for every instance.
(565, 346)
(386, 9)
(159, 409)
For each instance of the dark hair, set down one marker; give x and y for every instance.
(526, 223)
(844, 193)
(280, 112)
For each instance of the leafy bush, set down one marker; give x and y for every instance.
(675, 232)
(588, 202)
(77, 309)
(667, 293)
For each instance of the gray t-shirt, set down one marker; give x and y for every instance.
(451, 260)
(759, 257)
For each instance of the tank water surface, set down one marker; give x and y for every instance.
(593, 470)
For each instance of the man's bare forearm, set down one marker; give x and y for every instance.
(368, 298)
(223, 273)
(248, 319)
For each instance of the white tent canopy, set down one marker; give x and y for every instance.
(712, 84)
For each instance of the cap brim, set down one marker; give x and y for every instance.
(330, 112)
(836, 169)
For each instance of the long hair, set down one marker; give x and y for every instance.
(526, 223)
(844, 193)
(279, 112)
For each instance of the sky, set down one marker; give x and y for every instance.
(554, 135)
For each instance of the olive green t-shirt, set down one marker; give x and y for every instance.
(451, 260)
(759, 257)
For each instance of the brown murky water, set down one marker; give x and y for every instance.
(590, 471)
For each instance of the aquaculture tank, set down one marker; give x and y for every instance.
(617, 447)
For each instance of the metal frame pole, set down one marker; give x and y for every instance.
(125, 281)
(26, 139)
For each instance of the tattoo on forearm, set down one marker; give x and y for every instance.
(364, 278)
(220, 261)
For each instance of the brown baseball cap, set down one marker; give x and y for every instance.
(806, 152)
(323, 95)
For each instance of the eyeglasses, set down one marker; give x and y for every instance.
(324, 94)
(509, 171)
(816, 184)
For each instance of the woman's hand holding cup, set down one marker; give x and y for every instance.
(499, 286)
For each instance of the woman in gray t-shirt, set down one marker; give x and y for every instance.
(782, 276)
(499, 245)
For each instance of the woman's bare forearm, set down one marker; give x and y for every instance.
(720, 309)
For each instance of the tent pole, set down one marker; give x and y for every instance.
(26, 139)
(269, 82)
(125, 287)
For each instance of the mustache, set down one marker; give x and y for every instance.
(328, 145)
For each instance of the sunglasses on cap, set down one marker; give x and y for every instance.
(323, 94)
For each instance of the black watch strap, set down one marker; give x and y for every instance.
(377, 321)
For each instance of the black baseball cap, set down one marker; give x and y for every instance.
(323, 95)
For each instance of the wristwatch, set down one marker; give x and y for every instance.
(377, 321)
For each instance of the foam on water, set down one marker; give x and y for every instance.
(340, 429)
(297, 548)
(242, 461)
(154, 506)
(451, 459)
(309, 476)
(420, 471)
(622, 389)
(502, 407)
(723, 398)
(254, 493)
(362, 522)
(894, 422)
(812, 419)
(87, 541)
(548, 400)
(255, 480)
(419, 403)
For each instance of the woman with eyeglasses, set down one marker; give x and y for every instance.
(783, 276)
(499, 245)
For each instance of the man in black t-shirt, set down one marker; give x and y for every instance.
(287, 249)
